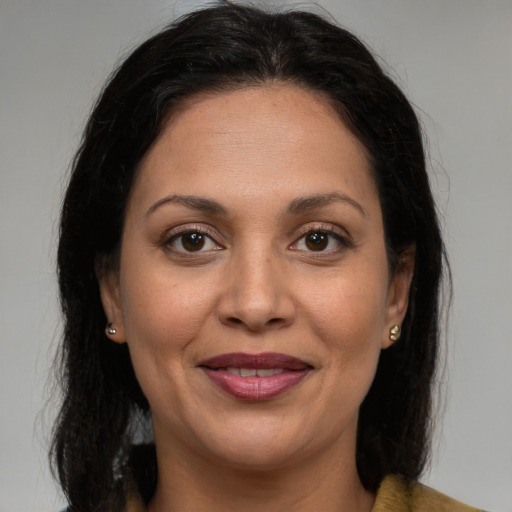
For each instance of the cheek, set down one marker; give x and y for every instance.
(162, 317)
(350, 303)
(348, 315)
(161, 305)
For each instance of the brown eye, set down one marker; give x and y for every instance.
(321, 241)
(191, 241)
(317, 241)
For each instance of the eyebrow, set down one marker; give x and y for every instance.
(193, 202)
(296, 207)
(304, 204)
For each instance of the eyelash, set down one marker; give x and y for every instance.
(203, 231)
(342, 241)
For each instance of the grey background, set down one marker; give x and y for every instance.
(454, 60)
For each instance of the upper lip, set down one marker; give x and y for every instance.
(265, 360)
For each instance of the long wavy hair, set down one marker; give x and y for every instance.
(217, 49)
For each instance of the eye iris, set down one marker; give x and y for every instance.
(193, 241)
(317, 241)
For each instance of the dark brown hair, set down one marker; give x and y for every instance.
(217, 49)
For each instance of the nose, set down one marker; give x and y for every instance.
(257, 294)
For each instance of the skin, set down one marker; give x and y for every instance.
(257, 285)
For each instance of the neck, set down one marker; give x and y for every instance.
(322, 483)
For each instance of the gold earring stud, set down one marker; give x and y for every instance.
(111, 330)
(394, 332)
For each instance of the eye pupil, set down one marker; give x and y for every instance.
(317, 241)
(193, 241)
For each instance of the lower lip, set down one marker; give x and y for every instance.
(255, 388)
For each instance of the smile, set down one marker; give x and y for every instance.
(255, 372)
(255, 376)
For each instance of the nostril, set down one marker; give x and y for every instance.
(254, 325)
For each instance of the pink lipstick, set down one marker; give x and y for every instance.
(255, 376)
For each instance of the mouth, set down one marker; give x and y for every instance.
(255, 376)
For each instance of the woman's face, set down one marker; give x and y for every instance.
(253, 289)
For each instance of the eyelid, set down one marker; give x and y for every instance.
(341, 235)
(327, 227)
(177, 231)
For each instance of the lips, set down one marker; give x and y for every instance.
(255, 376)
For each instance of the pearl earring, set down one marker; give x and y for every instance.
(394, 332)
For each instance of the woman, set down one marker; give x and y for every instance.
(250, 257)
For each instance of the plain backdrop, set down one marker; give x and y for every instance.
(454, 60)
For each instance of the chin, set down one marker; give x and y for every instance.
(259, 457)
(264, 444)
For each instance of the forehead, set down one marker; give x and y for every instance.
(284, 110)
(256, 140)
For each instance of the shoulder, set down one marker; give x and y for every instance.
(395, 494)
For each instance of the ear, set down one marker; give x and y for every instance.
(398, 293)
(111, 300)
